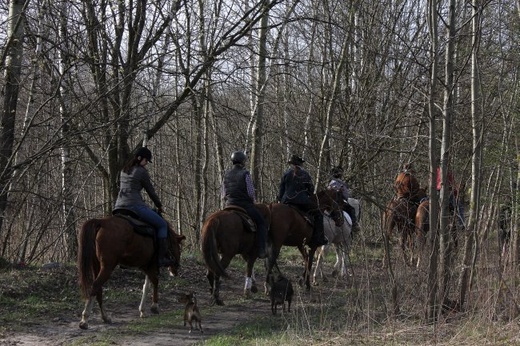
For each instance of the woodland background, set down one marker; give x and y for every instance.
(362, 84)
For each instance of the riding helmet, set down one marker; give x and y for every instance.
(238, 157)
(336, 172)
(144, 152)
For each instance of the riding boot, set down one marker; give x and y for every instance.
(164, 260)
(318, 236)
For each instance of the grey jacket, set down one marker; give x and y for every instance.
(130, 189)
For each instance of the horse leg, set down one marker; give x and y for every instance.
(305, 256)
(97, 291)
(83, 324)
(270, 263)
(154, 279)
(341, 254)
(146, 287)
(225, 260)
(308, 268)
(249, 285)
(321, 253)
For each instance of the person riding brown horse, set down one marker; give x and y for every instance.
(296, 189)
(238, 190)
(134, 177)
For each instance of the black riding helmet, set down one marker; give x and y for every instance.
(336, 172)
(238, 157)
(144, 152)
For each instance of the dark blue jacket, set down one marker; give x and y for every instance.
(296, 187)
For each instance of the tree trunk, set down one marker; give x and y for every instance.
(258, 107)
(12, 75)
(431, 307)
(446, 241)
(471, 244)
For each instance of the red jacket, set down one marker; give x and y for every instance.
(450, 181)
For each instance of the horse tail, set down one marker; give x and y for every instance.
(210, 247)
(87, 261)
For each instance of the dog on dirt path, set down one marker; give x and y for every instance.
(281, 291)
(191, 311)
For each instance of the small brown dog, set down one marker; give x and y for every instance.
(281, 291)
(191, 312)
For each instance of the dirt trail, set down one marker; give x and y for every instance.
(64, 330)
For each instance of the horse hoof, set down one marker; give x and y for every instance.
(254, 289)
(220, 302)
(83, 325)
(154, 310)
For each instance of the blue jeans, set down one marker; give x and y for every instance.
(154, 219)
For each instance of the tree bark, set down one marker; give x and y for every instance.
(13, 68)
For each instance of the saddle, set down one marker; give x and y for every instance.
(248, 223)
(139, 226)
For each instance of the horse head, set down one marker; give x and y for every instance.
(174, 248)
(332, 202)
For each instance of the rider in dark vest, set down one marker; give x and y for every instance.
(296, 188)
(238, 189)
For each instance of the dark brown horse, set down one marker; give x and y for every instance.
(400, 213)
(290, 228)
(225, 232)
(105, 243)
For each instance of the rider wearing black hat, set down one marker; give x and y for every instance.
(296, 188)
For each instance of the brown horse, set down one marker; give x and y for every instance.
(290, 228)
(105, 243)
(422, 224)
(400, 213)
(225, 232)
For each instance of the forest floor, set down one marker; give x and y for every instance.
(42, 306)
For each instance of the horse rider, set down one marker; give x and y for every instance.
(133, 178)
(338, 185)
(297, 189)
(406, 184)
(454, 202)
(238, 189)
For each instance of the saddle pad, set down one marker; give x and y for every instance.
(347, 218)
(246, 219)
(139, 226)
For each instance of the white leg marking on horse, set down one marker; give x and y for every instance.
(146, 287)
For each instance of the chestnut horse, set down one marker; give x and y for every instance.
(290, 228)
(400, 213)
(227, 233)
(105, 243)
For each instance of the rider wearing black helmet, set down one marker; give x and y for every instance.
(134, 177)
(337, 184)
(238, 189)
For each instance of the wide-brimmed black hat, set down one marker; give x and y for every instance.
(296, 160)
